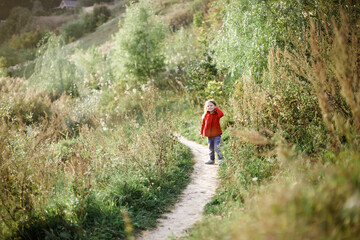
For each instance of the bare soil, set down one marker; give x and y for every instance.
(190, 207)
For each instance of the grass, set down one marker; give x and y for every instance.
(288, 179)
(189, 126)
(51, 22)
(104, 164)
(58, 182)
(300, 207)
(100, 36)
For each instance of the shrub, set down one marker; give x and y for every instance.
(198, 19)
(14, 57)
(82, 187)
(3, 68)
(139, 45)
(199, 73)
(322, 203)
(306, 95)
(27, 40)
(99, 16)
(85, 24)
(25, 106)
(26, 177)
(53, 71)
(73, 30)
(18, 19)
(92, 2)
(92, 63)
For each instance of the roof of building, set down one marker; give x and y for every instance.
(68, 3)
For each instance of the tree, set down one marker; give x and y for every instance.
(53, 71)
(50, 4)
(7, 5)
(19, 17)
(139, 44)
(250, 29)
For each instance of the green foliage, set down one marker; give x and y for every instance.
(7, 6)
(92, 2)
(81, 179)
(189, 124)
(139, 45)
(3, 68)
(203, 78)
(297, 95)
(51, 225)
(18, 19)
(180, 49)
(27, 107)
(27, 40)
(97, 73)
(53, 71)
(73, 30)
(14, 57)
(199, 74)
(198, 19)
(321, 203)
(50, 4)
(214, 90)
(86, 23)
(250, 29)
(99, 15)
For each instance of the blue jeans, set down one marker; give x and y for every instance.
(214, 146)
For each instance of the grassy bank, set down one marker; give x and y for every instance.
(68, 172)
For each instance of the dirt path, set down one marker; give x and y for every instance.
(192, 201)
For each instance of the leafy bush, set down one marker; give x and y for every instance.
(92, 2)
(18, 19)
(14, 57)
(27, 178)
(139, 45)
(250, 30)
(311, 202)
(92, 63)
(198, 19)
(53, 71)
(85, 23)
(84, 185)
(73, 30)
(25, 106)
(99, 15)
(27, 40)
(3, 68)
(303, 185)
(199, 73)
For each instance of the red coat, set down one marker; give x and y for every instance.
(210, 126)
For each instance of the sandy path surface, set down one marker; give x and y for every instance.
(189, 208)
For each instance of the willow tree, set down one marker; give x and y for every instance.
(139, 44)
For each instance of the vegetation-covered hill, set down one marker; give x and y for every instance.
(86, 143)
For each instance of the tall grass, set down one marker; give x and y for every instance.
(55, 184)
(292, 164)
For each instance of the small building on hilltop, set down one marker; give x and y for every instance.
(67, 4)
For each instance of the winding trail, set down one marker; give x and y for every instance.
(192, 201)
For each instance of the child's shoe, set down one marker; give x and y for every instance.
(210, 162)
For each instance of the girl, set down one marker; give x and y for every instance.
(210, 128)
